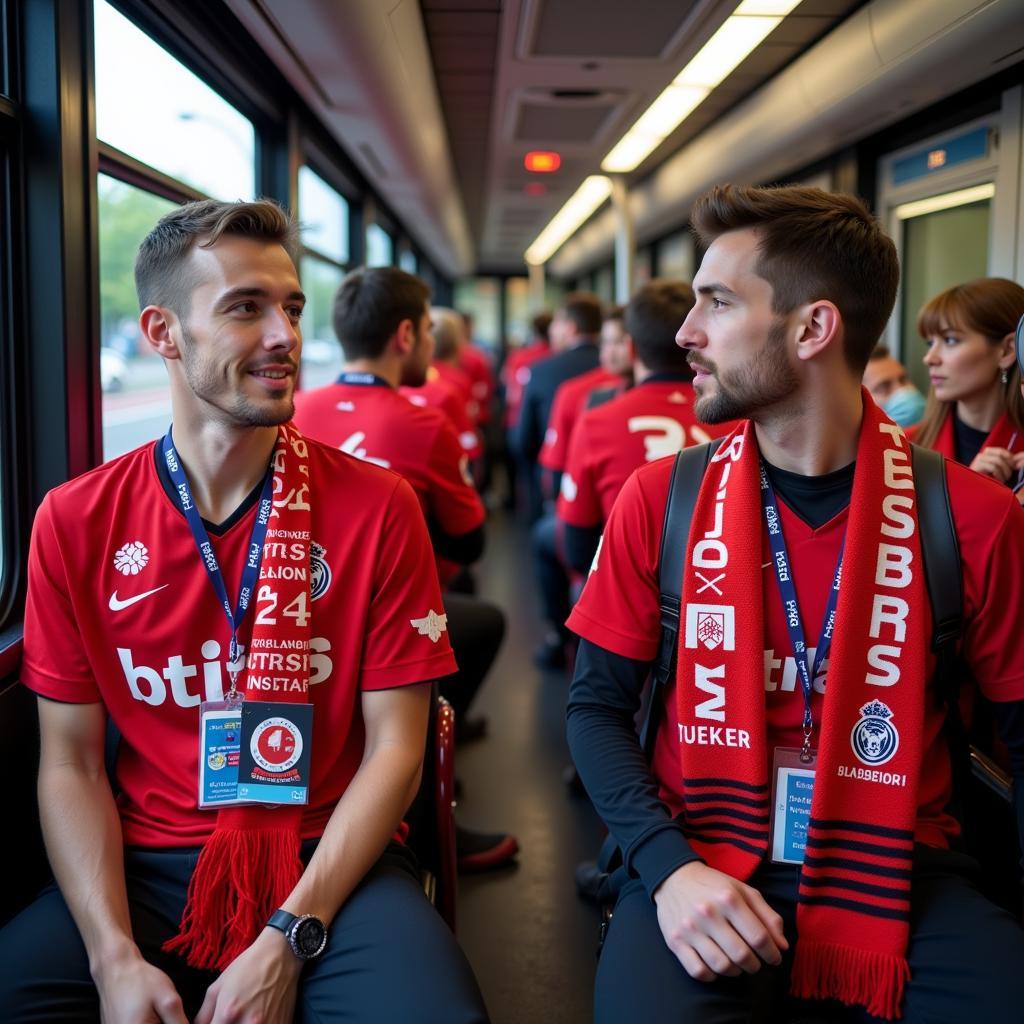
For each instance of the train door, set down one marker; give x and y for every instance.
(951, 203)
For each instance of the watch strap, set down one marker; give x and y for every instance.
(281, 920)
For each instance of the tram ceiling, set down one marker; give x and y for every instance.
(572, 76)
(438, 101)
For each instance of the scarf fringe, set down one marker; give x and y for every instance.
(242, 877)
(856, 977)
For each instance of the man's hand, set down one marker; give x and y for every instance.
(258, 987)
(998, 463)
(716, 925)
(133, 991)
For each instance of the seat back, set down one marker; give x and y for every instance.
(431, 818)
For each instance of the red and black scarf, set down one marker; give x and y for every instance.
(854, 895)
(250, 864)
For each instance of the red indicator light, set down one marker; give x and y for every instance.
(542, 162)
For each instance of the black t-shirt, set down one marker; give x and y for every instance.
(968, 441)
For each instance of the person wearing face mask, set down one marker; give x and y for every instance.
(890, 386)
(975, 411)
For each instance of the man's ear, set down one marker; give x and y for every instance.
(404, 338)
(157, 325)
(820, 326)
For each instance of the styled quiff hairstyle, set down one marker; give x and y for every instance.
(990, 306)
(653, 318)
(163, 276)
(370, 304)
(813, 245)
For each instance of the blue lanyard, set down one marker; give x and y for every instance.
(251, 572)
(363, 380)
(791, 610)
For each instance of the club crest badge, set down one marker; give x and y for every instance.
(319, 571)
(711, 626)
(874, 738)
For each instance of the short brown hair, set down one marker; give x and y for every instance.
(653, 318)
(813, 245)
(370, 304)
(541, 324)
(161, 274)
(991, 306)
(584, 310)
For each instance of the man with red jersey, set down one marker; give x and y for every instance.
(267, 753)
(653, 419)
(778, 837)
(615, 371)
(515, 375)
(574, 331)
(383, 321)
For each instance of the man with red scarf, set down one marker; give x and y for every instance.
(209, 594)
(781, 839)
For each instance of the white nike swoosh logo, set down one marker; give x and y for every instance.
(116, 604)
(766, 564)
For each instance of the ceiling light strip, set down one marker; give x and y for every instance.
(737, 37)
(583, 202)
(947, 201)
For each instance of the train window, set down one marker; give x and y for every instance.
(380, 248)
(324, 215)
(407, 261)
(136, 399)
(153, 108)
(642, 267)
(321, 353)
(518, 310)
(481, 298)
(603, 283)
(941, 247)
(675, 257)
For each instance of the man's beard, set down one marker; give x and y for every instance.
(764, 381)
(213, 388)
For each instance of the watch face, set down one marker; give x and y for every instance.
(309, 937)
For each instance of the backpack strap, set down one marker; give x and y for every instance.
(687, 473)
(940, 552)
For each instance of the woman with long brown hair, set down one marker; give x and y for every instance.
(975, 412)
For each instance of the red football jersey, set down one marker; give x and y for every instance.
(478, 367)
(570, 401)
(374, 422)
(463, 382)
(515, 375)
(648, 422)
(619, 610)
(440, 394)
(120, 610)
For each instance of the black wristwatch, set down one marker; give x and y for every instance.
(306, 935)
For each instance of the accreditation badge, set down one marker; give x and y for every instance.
(220, 727)
(276, 741)
(792, 790)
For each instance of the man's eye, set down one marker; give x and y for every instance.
(245, 307)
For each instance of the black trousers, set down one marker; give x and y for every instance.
(475, 629)
(966, 958)
(552, 578)
(389, 956)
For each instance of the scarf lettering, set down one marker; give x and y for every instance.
(892, 566)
